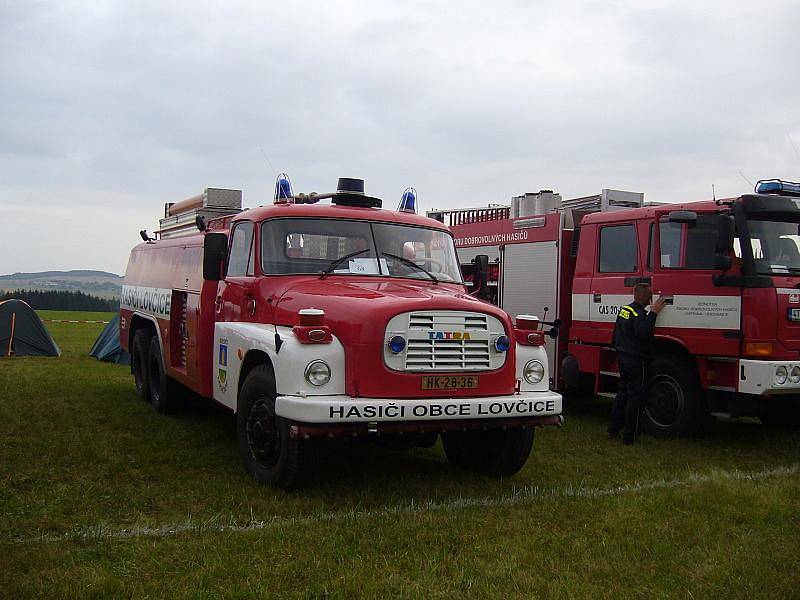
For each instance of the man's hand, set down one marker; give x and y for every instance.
(658, 305)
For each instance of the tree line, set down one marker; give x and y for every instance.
(60, 300)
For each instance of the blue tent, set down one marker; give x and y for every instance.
(106, 346)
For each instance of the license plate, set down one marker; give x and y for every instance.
(794, 314)
(449, 382)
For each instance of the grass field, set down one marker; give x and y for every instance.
(101, 496)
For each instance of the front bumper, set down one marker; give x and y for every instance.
(345, 409)
(758, 377)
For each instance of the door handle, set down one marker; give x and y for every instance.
(251, 306)
(218, 304)
(632, 281)
(597, 298)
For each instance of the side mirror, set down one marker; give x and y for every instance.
(726, 232)
(215, 250)
(481, 276)
(683, 216)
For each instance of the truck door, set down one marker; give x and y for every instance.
(236, 299)
(705, 318)
(617, 269)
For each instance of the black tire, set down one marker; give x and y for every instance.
(494, 451)
(140, 350)
(269, 453)
(161, 388)
(674, 402)
(780, 413)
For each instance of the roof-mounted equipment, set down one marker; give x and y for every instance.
(181, 218)
(778, 186)
(350, 192)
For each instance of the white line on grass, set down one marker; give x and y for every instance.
(516, 497)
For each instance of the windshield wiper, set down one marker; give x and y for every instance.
(411, 263)
(329, 269)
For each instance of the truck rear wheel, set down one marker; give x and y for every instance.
(140, 351)
(673, 402)
(494, 451)
(269, 453)
(161, 388)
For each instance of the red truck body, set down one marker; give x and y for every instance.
(728, 340)
(456, 370)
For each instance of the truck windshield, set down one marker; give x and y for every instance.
(311, 246)
(776, 246)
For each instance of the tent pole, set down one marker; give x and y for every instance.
(11, 339)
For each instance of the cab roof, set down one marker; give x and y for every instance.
(337, 211)
(648, 212)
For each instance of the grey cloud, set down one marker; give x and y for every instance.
(113, 109)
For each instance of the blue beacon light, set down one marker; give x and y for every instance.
(408, 201)
(283, 188)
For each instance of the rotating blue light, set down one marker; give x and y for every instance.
(502, 343)
(408, 202)
(397, 344)
(778, 186)
(283, 187)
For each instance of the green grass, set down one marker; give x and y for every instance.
(75, 315)
(82, 461)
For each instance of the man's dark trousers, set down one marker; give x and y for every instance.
(630, 398)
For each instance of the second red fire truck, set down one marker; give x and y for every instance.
(313, 320)
(728, 341)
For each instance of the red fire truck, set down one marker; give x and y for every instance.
(314, 320)
(728, 341)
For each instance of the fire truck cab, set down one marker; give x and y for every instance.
(728, 341)
(314, 320)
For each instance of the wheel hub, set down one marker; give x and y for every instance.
(262, 433)
(665, 402)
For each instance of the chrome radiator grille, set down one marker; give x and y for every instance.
(448, 355)
(445, 341)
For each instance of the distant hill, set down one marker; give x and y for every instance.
(96, 283)
(60, 274)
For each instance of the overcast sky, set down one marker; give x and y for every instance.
(110, 109)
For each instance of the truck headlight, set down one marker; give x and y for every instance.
(781, 374)
(318, 372)
(533, 371)
(794, 376)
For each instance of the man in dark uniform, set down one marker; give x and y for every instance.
(633, 339)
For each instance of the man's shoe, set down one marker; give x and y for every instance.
(627, 441)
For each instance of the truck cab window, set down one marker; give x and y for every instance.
(241, 262)
(618, 249)
(685, 247)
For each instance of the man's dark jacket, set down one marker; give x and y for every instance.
(633, 332)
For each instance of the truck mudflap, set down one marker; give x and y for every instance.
(345, 409)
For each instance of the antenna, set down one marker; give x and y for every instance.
(713, 194)
(791, 141)
(746, 179)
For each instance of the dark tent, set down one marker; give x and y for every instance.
(106, 346)
(22, 331)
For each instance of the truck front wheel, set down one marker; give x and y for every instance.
(494, 451)
(269, 453)
(780, 412)
(673, 402)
